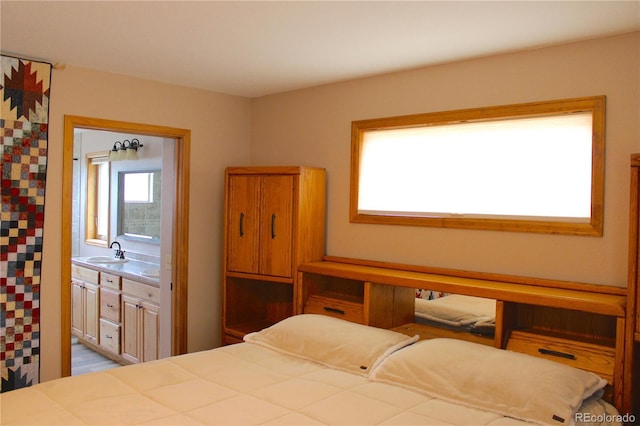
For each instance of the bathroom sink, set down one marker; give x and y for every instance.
(151, 273)
(105, 259)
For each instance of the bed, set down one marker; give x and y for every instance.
(314, 369)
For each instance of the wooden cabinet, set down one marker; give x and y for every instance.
(364, 302)
(260, 213)
(274, 220)
(115, 316)
(85, 303)
(110, 336)
(140, 321)
(110, 313)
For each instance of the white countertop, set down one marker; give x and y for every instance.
(132, 269)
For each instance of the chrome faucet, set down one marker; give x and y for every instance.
(119, 254)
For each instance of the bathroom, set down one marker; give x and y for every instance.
(122, 226)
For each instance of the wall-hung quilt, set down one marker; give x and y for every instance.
(24, 92)
(312, 369)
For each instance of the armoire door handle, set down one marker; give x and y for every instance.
(273, 226)
(242, 224)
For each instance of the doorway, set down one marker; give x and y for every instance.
(179, 253)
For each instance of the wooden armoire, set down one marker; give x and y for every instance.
(274, 220)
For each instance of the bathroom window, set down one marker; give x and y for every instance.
(138, 187)
(98, 184)
(535, 167)
(139, 205)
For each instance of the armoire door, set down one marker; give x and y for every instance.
(243, 218)
(276, 225)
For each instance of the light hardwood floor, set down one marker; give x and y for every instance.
(84, 360)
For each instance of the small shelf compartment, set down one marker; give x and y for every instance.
(562, 323)
(364, 302)
(257, 304)
(597, 358)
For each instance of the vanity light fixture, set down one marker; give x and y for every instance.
(132, 149)
(125, 150)
(113, 155)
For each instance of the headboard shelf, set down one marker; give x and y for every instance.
(580, 300)
(580, 325)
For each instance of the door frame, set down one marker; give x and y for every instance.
(180, 255)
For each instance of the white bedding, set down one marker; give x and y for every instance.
(457, 310)
(243, 384)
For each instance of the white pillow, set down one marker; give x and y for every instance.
(500, 381)
(456, 309)
(331, 341)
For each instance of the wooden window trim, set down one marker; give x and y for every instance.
(595, 105)
(91, 228)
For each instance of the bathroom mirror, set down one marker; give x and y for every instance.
(139, 205)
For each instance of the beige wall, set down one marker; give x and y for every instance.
(220, 134)
(312, 127)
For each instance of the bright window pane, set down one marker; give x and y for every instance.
(531, 167)
(102, 212)
(138, 188)
(534, 167)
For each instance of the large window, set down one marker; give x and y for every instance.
(535, 167)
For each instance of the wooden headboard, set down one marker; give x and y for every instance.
(632, 348)
(577, 324)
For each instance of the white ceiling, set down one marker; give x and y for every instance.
(255, 48)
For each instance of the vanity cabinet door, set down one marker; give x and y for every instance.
(92, 316)
(140, 321)
(77, 308)
(150, 324)
(84, 311)
(130, 329)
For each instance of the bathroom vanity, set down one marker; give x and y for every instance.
(115, 307)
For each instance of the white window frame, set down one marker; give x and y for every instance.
(590, 224)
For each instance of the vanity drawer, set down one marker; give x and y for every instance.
(141, 291)
(110, 304)
(84, 274)
(110, 336)
(598, 359)
(110, 280)
(350, 311)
